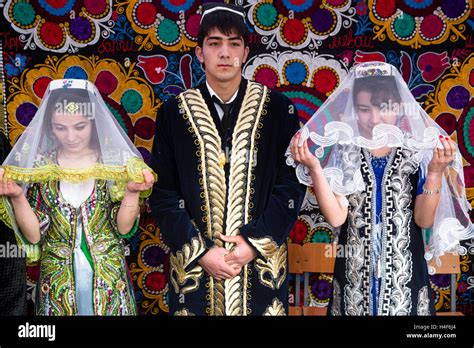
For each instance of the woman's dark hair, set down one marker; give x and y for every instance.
(60, 98)
(226, 22)
(382, 89)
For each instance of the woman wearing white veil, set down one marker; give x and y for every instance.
(70, 189)
(383, 170)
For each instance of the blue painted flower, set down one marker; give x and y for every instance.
(418, 4)
(175, 7)
(296, 73)
(297, 6)
(361, 8)
(60, 8)
(16, 65)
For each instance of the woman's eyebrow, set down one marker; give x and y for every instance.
(74, 125)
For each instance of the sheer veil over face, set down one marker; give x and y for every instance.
(373, 109)
(376, 101)
(73, 121)
(73, 133)
(73, 138)
(71, 124)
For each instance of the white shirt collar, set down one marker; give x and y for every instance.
(213, 93)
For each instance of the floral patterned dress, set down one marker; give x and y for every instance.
(82, 265)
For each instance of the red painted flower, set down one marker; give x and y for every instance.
(299, 232)
(155, 281)
(362, 57)
(462, 286)
(153, 67)
(433, 65)
(115, 15)
(361, 8)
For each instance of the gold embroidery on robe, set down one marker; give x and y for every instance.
(179, 277)
(275, 309)
(272, 267)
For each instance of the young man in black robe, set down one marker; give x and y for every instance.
(12, 261)
(225, 200)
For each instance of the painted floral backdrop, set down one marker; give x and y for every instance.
(140, 53)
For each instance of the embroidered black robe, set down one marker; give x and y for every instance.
(405, 286)
(199, 195)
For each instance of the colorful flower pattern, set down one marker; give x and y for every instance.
(299, 23)
(139, 53)
(59, 26)
(419, 23)
(170, 25)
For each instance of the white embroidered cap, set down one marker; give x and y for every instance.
(214, 7)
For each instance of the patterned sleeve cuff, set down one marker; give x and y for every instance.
(266, 247)
(184, 273)
(132, 231)
(271, 264)
(203, 248)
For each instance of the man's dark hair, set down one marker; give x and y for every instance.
(226, 22)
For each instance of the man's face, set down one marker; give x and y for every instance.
(223, 56)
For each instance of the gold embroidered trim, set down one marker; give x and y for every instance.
(226, 297)
(212, 177)
(133, 171)
(181, 260)
(275, 309)
(211, 172)
(240, 191)
(274, 263)
(265, 246)
(49, 172)
(183, 312)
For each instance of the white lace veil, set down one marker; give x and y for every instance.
(335, 136)
(33, 158)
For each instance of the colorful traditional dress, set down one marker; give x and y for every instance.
(82, 266)
(81, 252)
(384, 269)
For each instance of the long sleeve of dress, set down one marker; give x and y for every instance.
(40, 208)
